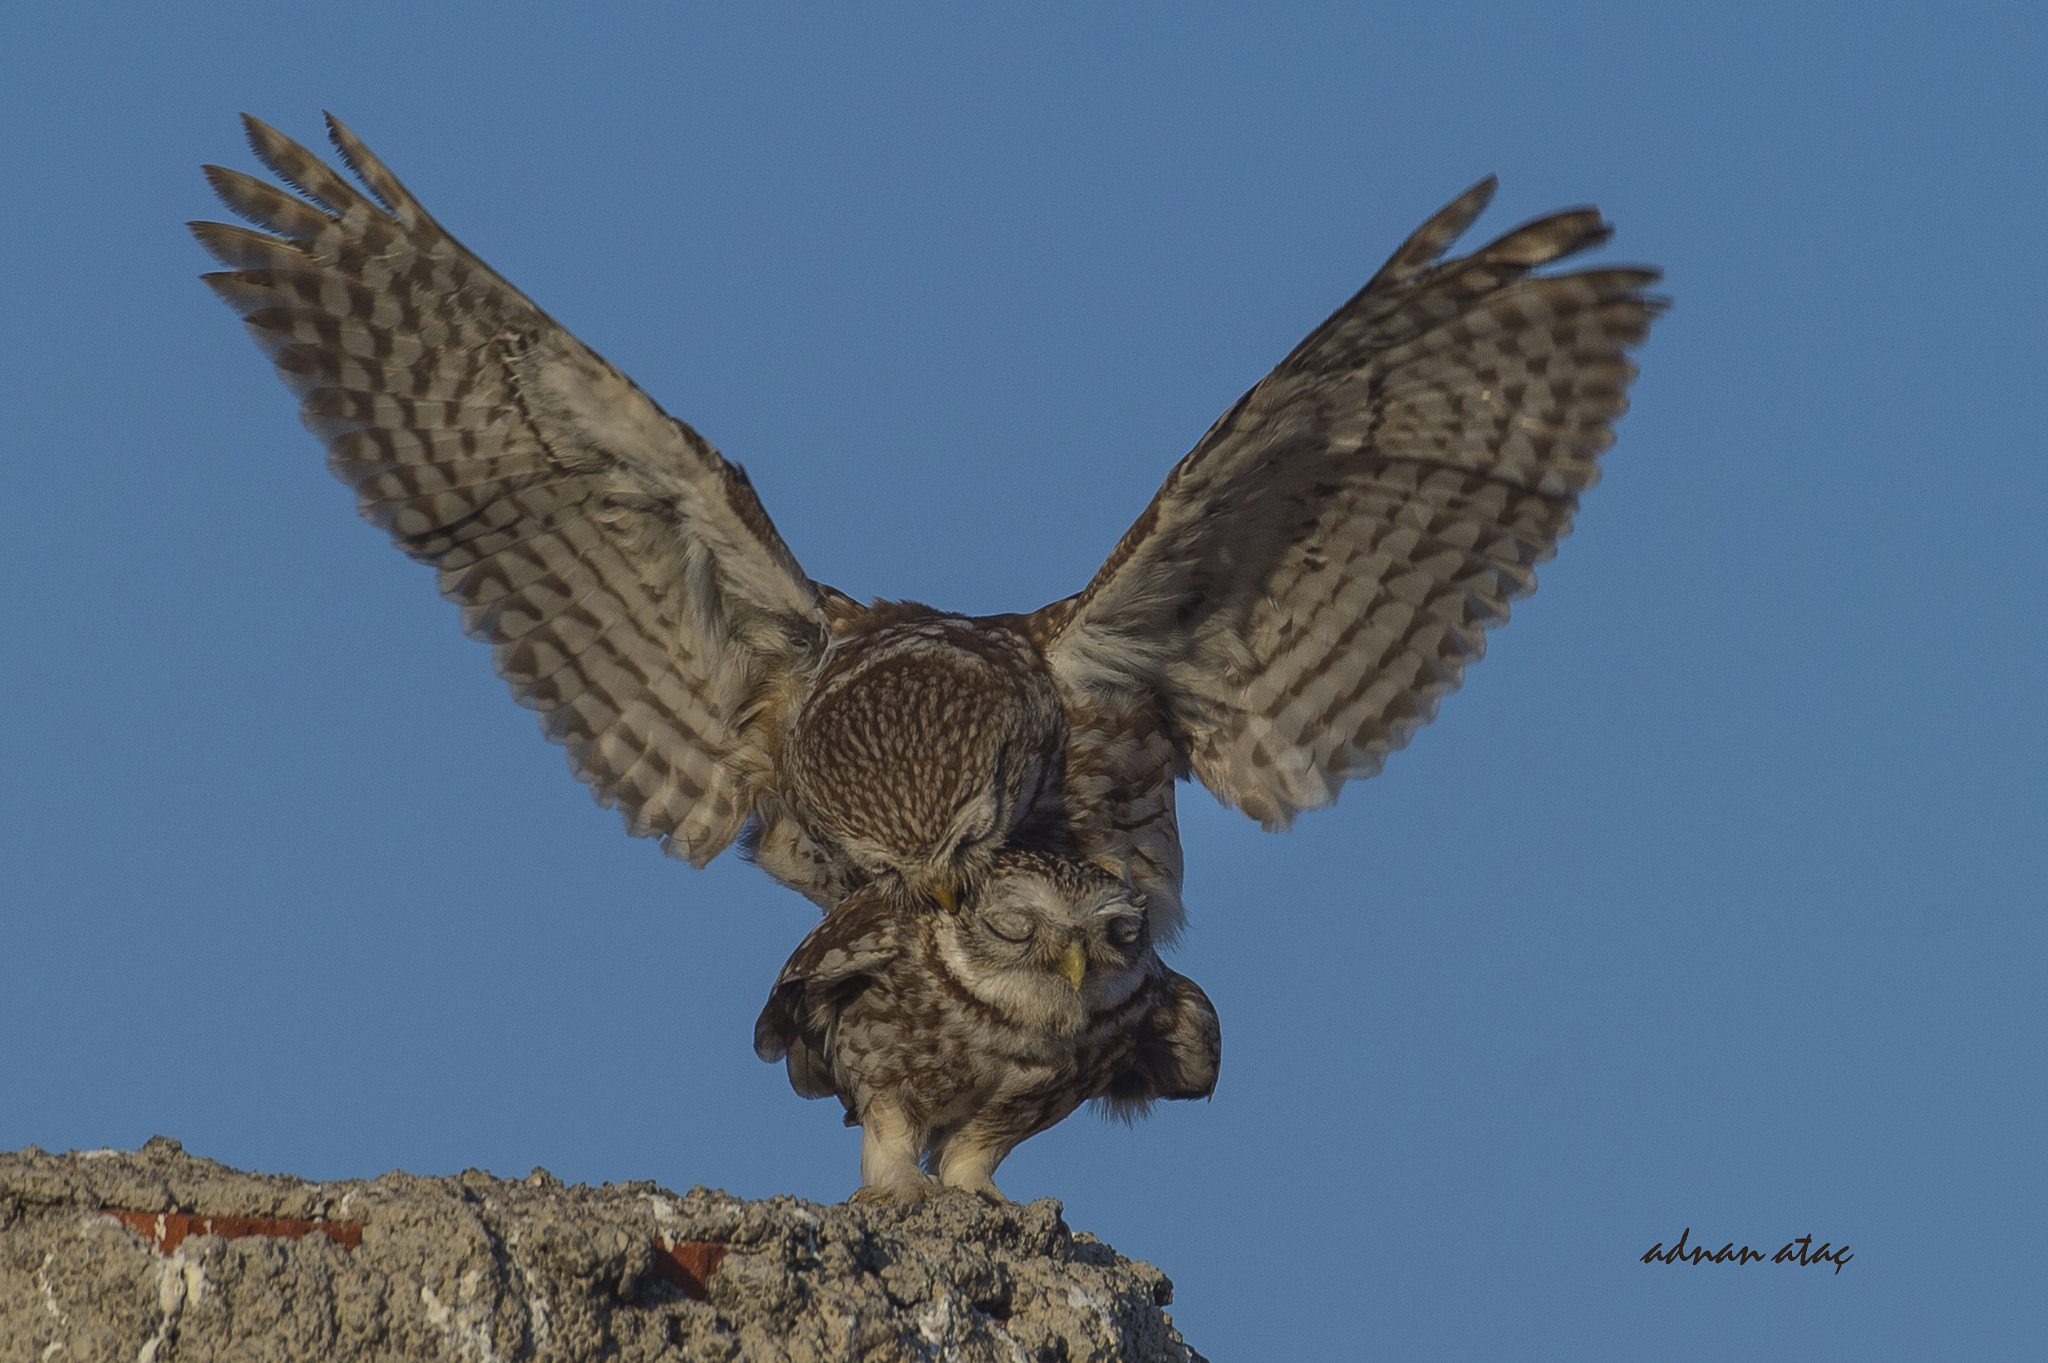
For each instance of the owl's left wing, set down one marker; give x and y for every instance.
(631, 586)
(1313, 578)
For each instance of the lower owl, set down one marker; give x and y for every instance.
(953, 1036)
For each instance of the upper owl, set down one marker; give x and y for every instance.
(1304, 588)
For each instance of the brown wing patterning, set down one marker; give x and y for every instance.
(630, 585)
(1313, 578)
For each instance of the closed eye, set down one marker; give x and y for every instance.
(1011, 927)
(1124, 930)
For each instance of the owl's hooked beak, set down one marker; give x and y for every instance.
(947, 896)
(1073, 965)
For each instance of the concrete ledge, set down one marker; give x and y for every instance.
(160, 1257)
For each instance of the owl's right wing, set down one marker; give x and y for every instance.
(1179, 1054)
(1316, 574)
(631, 586)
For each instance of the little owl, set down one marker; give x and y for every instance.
(952, 1037)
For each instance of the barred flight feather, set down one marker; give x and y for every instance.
(1313, 578)
(561, 507)
(1308, 584)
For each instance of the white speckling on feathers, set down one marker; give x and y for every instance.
(953, 1036)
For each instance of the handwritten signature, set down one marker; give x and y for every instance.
(1795, 1251)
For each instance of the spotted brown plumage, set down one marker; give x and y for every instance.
(1304, 589)
(951, 1037)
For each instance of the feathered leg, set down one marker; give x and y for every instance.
(889, 1147)
(968, 1159)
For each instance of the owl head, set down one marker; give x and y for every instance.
(1049, 940)
(929, 743)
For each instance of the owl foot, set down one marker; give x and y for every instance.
(985, 1190)
(895, 1194)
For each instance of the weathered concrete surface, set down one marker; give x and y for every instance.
(479, 1268)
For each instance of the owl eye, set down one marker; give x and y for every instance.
(1124, 930)
(1011, 927)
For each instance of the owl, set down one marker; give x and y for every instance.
(953, 1036)
(1307, 585)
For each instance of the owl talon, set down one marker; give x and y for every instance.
(986, 1191)
(893, 1195)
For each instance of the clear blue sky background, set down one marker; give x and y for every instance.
(1714, 901)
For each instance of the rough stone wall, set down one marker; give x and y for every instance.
(476, 1268)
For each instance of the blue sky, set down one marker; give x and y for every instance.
(1713, 901)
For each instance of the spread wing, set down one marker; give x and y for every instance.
(631, 587)
(1314, 576)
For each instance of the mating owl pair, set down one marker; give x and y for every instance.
(971, 799)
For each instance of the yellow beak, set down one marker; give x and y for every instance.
(1073, 964)
(948, 897)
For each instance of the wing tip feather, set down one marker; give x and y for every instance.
(1428, 242)
(364, 164)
